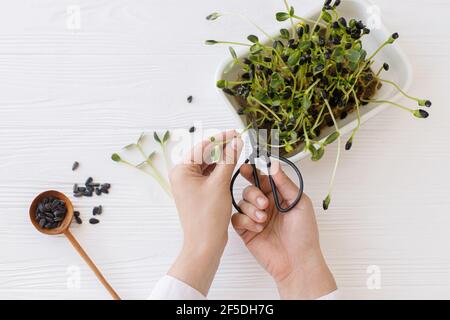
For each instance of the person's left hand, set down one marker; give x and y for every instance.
(203, 199)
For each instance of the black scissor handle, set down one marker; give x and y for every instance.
(272, 184)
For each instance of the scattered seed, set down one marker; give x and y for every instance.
(189, 99)
(98, 191)
(88, 181)
(78, 220)
(93, 221)
(192, 129)
(76, 213)
(106, 186)
(88, 193)
(75, 166)
(97, 210)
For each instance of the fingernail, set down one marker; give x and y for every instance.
(261, 202)
(261, 216)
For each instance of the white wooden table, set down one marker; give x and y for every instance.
(70, 93)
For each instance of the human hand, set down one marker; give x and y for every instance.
(202, 196)
(285, 244)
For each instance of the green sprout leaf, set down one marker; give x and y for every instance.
(282, 16)
(211, 42)
(141, 138)
(256, 48)
(216, 153)
(233, 53)
(129, 146)
(156, 137)
(353, 55)
(277, 81)
(151, 156)
(166, 137)
(222, 84)
(252, 38)
(326, 202)
(332, 138)
(319, 154)
(326, 16)
(294, 58)
(285, 34)
(213, 16)
(288, 148)
(291, 11)
(116, 157)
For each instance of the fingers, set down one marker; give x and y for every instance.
(286, 187)
(243, 223)
(230, 155)
(254, 213)
(255, 197)
(199, 158)
(247, 173)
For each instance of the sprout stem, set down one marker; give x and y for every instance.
(154, 173)
(391, 103)
(401, 90)
(288, 9)
(305, 20)
(338, 155)
(235, 43)
(378, 50)
(265, 107)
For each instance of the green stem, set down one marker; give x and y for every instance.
(157, 176)
(307, 20)
(311, 32)
(155, 173)
(391, 103)
(358, 126)
(288, 9)
(235, 43)
(166, 158)
(162, 182)
(400, 89)
(378, 50)
(338, 155)
(265, 107)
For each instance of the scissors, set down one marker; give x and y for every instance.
(261, 152)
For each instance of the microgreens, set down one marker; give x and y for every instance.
(148, 160)
(306, 80)
(163, 143)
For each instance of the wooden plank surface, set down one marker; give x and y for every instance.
(79, 94)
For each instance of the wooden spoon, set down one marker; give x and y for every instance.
(64, 229)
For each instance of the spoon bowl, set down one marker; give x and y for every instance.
(63, 228)
(63, 225)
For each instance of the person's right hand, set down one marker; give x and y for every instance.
(285, 244)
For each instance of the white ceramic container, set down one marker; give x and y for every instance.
(400, 68)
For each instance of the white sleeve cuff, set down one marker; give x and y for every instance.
(170, 288)
(331, 296)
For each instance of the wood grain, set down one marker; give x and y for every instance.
(82, 94)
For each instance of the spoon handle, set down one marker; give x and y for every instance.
(91, 264)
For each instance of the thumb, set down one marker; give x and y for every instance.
(230, 155)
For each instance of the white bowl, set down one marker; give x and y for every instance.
(400, 68)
